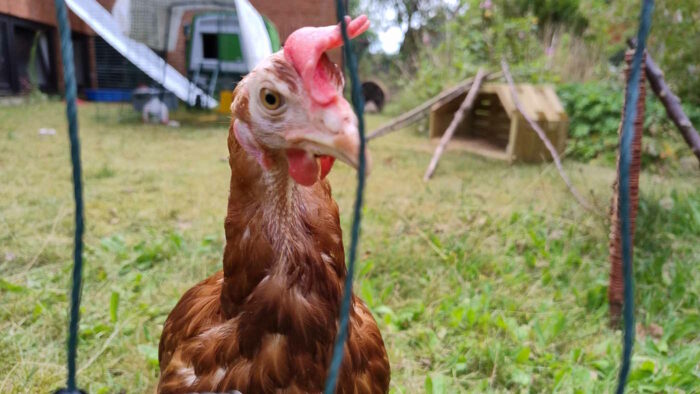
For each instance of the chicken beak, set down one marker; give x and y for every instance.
(342, 143)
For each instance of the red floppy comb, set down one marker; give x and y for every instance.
(305, 47)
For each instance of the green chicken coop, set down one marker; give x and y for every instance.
(219, 49)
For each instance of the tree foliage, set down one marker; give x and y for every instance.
(567, 40)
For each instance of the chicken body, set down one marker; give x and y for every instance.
(267, 322)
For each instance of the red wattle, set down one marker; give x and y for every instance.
(326, 164)
(303, 167)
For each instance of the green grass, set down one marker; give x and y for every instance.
(487, 279)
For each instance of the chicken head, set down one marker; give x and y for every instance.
(290, 113)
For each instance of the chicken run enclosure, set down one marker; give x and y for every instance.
(502, 121)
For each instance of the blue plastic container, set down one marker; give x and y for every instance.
(108, 95)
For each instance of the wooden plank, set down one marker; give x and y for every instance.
(505, 99)
(490, 88)
(541, 103)
(553, 100)
(512, 138)
(441, 115)
(529, 102)
(487, 123)
(558, 121)
(458, 117)
(549, 121)
(563, 128)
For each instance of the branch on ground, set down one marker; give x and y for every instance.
(464, 108)
(671, 102)
(540, 133)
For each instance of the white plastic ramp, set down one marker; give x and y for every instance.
(102, 22)
(255, 40)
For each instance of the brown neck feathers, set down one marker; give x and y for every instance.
(284, 254)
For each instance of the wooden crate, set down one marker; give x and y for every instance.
(494, 128)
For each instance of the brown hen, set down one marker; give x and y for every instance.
(267, 322)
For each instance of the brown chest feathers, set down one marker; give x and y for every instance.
(266, 323)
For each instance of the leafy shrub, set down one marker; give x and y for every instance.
(594, 113)
(595, 110)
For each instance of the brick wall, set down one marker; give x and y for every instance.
(177, 58)
(44, 12)
(40, 11)
(291, 15)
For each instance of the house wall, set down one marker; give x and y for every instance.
(40, 11)
(289, 16)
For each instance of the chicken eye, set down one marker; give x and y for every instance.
(270, 99)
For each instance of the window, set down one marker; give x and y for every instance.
(210, 45)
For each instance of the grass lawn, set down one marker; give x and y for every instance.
(490, 278)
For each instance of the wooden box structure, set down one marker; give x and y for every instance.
(495, 128)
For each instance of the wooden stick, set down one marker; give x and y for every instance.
(545, 140)
(466, 105)
(423, 110)
(671, 102)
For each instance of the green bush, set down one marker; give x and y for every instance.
(594, 111)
